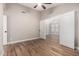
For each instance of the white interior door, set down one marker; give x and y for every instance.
(67, 30)
(42, 29)
(4, 29)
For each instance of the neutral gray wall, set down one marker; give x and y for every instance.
(21, 26)
(63, 8)
(1, 35)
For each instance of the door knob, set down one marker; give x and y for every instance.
(5, 31)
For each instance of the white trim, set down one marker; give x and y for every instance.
(22, 40)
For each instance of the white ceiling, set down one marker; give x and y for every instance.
(39, 8)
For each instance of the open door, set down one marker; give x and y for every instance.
(42, 29)
(67, 29)
(4, 29)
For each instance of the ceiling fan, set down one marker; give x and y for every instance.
(42, 5)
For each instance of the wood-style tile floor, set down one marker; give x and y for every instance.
(39, 47)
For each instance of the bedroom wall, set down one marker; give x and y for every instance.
(22, 26)
(63, 8)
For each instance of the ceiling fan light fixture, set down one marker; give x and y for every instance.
(39, 4)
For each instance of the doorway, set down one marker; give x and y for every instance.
(54, 30)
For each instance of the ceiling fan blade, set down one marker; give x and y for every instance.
(43, 6)
(35, 6)
(47, 3)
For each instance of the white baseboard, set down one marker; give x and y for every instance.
(22, 40)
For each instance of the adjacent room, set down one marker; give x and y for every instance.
(39, 29)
